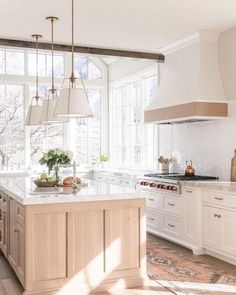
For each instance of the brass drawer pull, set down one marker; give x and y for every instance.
(16, 230)
(171, 225)
(150, 199)
(188, 191)
(171, 204)
(219, 199)
(219, 216)
(215, 215)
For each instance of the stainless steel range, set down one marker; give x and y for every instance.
(169, 182)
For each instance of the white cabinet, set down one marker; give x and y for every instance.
(210, 227)
(110, 177)
(176, 217)
(191, 214)
(227, 231)
(219, 229)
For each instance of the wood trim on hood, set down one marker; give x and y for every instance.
(187, 110)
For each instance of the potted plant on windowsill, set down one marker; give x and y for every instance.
(104, 161)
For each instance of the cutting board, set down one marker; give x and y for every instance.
(233, 168)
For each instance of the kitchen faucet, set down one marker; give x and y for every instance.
(74, 182)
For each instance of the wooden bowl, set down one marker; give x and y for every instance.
(46, 184)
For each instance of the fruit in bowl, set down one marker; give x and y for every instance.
(46, 181)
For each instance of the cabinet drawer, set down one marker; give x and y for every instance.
(217, 198)
(102, 178)
(171, 205)
(153, 220)
(128, 183)
(153, 202)
(3, 202)
(114, 180)
(171, 225)
(20, 213)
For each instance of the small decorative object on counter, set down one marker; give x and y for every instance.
(46, 181)
(165, 164)
(56, 157)
(233, 168)
(69, 180)
(189, 169)
(104, 160)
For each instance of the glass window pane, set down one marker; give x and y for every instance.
(94, 73)
(2, 61)
(81, 67)
(58, 66)
(132, 140)
(88, 132)
(32, 64)
(43, 138)
(15, 62)
(11, 125)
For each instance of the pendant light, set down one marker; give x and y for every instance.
(73, 102)
(35, 108)
(49, 103)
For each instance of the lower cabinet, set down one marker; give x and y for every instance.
(175, 216)
(16, 254)
(219, 230)
(3, 224)
(3, 232)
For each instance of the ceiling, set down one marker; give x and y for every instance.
(125, 24)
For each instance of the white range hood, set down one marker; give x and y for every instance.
(190, 87)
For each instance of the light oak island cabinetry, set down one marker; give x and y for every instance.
(79, 247)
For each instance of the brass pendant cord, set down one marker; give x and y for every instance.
(37, 70)
(72, 45)
(37, 37)
(52, 33)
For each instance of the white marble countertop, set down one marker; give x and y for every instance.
(225, 186)
(23, 190)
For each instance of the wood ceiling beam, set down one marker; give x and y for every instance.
(84, 49)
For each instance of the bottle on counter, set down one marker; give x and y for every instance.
(233, 168)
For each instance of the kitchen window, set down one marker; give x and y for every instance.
(45, 65)
(23, 146)
(12, 138)
(132, 143)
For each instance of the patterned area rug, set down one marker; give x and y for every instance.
(175, 266)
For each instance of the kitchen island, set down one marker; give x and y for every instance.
(60, 243)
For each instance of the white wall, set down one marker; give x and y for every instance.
(126, 66)
(210, 145)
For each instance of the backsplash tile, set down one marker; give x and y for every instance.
(210, 145)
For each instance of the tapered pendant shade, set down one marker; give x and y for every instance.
(33, 115)
(47, 112)
(73, 102)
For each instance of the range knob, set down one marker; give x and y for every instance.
(152, 184)
(159, 185)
